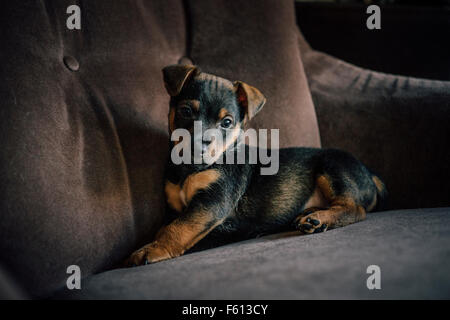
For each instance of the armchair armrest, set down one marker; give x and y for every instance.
(398, 126)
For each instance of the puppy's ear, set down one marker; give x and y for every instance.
(176, 76)
(249, 98)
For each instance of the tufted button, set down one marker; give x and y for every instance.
(185, 60)
(71, 63)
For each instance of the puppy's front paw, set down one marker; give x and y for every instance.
(311, 223)
(151, 253)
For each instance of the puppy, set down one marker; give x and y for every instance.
(313, 191)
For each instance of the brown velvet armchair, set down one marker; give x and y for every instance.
(83, 152)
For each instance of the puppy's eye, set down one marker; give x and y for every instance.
(185, 112)
(226, 122)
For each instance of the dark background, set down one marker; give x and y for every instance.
(414, 39)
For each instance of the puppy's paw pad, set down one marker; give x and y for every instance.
(310, 224)
(322, 228)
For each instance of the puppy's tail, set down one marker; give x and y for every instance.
(382, 193)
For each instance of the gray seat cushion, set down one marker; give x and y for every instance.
(410, 246)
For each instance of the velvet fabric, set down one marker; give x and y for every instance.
(83, 152)
(256, 42)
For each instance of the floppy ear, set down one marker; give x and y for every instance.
(175, 76)
(249, 98)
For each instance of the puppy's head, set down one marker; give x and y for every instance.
(216, 102)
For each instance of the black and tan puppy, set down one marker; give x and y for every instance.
(313, 191)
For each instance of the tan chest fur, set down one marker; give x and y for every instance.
(180, 195)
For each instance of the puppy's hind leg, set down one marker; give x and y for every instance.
(343, 210)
